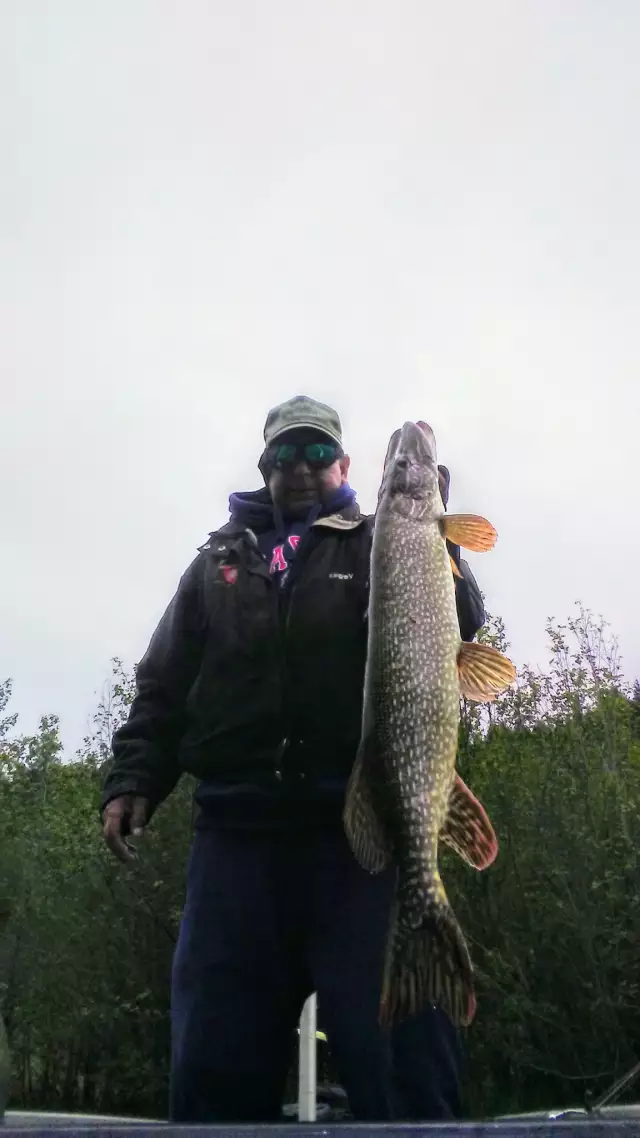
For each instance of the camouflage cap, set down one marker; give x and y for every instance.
(301, 411)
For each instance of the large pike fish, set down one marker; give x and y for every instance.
(404, 795)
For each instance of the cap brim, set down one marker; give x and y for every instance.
(306, 426)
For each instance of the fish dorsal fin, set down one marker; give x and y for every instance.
(467, 829)
(363, 828)
(483, 672)
(470, 531)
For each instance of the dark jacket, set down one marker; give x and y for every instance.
(255, 690)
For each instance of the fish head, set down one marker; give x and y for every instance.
(410, 484)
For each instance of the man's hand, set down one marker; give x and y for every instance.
(123, 816)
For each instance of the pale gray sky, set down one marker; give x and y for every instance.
(407, 208)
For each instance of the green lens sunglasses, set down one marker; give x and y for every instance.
(314, 454)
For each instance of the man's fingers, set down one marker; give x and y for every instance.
(123, 816)
(114, 839)
(138, 816)
(117, 821)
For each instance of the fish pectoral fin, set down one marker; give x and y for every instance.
(456, 571)
(483, 672)
(467, 828)
(471, 531)
(363, 828)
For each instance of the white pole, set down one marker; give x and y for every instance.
(307, 1062)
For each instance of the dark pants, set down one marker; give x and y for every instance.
(269, 918)
(427, 1057)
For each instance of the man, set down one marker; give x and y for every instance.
(253, 683)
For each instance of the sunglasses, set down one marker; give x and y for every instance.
(316, 455)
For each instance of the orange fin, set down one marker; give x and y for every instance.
(456, 571)
(467, 829)
(483, 672)
(470, 531)
(363, 828)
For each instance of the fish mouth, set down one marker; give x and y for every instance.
(419, 442)
(411, 467)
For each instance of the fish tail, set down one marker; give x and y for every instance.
(428, 964)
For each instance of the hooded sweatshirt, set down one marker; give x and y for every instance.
(277, 534)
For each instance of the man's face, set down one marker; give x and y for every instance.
(304, 467)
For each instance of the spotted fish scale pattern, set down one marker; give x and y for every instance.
(412, 682)
(414, 697)
(403, 779)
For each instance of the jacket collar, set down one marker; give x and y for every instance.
(349, 518)
(229, 535)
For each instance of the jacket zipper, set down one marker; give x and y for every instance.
(282, 630)
(283, 668)
(285, 626)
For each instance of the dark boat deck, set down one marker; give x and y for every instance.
(620, 1121)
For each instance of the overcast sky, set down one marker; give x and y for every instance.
(406, 208)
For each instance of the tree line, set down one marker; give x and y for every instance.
(553, 925)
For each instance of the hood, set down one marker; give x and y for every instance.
(255, 509)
